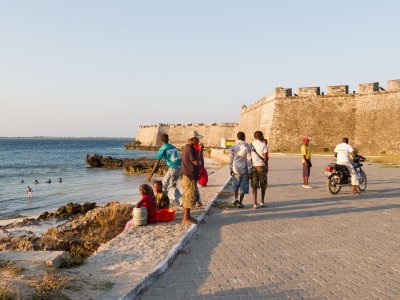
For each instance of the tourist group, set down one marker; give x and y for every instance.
(248, 165)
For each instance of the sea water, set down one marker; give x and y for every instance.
(53, 158)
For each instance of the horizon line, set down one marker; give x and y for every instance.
(62, 137)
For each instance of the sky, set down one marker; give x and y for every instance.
(102, 68)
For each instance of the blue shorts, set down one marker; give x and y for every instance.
(240, 183)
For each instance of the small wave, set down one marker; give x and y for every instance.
(11, 216)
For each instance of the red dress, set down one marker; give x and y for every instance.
(148, 202)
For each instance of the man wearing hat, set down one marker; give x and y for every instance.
(306, 161)
(190, 173)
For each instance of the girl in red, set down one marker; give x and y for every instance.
(148, 201)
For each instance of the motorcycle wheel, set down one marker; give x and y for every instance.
(333, 184)
(362, 180)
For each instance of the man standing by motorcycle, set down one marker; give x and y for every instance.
(342, 153)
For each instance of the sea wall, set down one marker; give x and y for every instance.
(370, 117)
(179, 133)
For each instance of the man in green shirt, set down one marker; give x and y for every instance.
(173, 161)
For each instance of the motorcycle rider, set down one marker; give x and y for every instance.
(342, 153)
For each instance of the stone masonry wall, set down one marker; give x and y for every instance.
(179, 134)
(377, 123)
(326, 120)
(370, 118)
(148, 135)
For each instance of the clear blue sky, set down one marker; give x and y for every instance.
(101, 68)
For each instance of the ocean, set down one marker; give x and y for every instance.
(41, 159)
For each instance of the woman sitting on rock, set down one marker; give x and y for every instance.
(148, 201)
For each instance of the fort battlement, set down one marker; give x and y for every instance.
(368, 116)
(214, 133)
(189, 125)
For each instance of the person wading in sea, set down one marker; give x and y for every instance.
(29, 192)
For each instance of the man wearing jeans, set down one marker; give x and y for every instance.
(173, 161)
(240, 166)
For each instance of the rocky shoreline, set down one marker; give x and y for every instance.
(141, 165)
(78, 229)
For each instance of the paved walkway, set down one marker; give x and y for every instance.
(307, 244)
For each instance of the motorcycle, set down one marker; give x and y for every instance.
(338, 176)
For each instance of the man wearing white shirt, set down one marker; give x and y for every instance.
(259, 157)
(342, 153)
(240, 167)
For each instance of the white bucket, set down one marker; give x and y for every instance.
(140, 216)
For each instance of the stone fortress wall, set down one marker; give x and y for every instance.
(179, 133)
(370, 118)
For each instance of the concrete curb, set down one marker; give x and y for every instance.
(163, 266)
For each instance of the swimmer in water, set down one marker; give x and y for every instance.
(29, 192)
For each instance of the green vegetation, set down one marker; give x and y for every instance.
(50, 286)
(11, 268)
(388, 161)
(75, 258)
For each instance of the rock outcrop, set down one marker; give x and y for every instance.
(131, 165)
(81, 235)
(68, 211)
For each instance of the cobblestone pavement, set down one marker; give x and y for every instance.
(306, 244)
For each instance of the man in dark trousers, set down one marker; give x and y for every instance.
(190, 173)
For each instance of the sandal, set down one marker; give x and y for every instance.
(199, 204)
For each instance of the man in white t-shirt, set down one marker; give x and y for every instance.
(342, 153)
(259, 157)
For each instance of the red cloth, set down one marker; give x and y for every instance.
(203, 177)
(197, 148)
(148, 202)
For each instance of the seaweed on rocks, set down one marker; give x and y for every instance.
(82, 234)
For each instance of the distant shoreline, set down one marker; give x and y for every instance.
(65, 137)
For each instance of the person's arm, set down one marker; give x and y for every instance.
(249, 161)
(201, 158)
(303, 152)
(231, 161)
(193, 156)
(139, 204)
(155, 168)
(265, 156)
